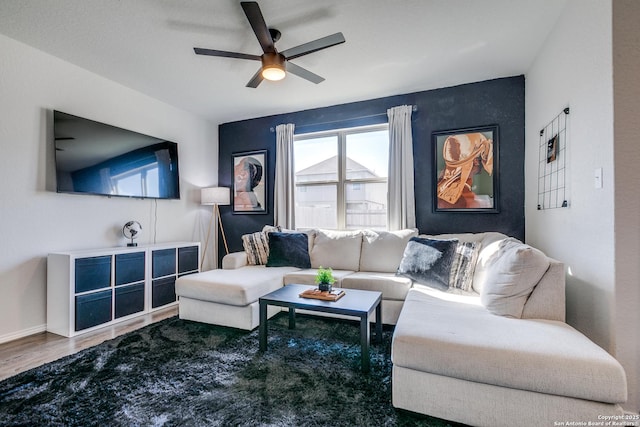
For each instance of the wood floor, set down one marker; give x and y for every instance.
(35, 350)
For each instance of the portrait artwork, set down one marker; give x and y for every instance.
(249, 182)
(466, 170)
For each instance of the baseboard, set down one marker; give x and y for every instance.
(23, 333)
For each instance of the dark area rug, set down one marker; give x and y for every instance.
(184, 373)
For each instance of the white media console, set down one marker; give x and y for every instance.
(90, 289)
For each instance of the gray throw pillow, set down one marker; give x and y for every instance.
(289, 250)
(428, 261)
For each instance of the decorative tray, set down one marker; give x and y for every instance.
(334, 295)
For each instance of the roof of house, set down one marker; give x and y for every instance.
(330, 166)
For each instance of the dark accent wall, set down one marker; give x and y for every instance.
(499, 101)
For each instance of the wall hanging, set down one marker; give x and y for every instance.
(250, 182)
(466, 170)
(552, 163)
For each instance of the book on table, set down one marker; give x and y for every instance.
(333, 295)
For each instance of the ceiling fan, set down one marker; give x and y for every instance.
(274, 64)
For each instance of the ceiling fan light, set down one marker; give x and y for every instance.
(273, 73)
(273, 66)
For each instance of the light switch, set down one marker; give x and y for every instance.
(598, 178)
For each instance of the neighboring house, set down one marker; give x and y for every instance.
(316, 202)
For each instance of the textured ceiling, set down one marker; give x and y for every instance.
(392, 46)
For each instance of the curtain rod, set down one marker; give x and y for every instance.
(414, 108)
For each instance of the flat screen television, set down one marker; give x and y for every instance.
(97, 158)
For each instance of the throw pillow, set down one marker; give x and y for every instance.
(428, 261)
(512, 272)
(288, 250)
(271, 228)
(256, 245)
(310, 232)
(463, 265)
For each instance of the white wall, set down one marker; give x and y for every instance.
(35, 221)
(626, 103)
(575, 69)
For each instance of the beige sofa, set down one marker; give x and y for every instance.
(453, 357)
(362, 259)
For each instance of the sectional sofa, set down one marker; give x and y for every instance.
(360, 260)
(494, 352)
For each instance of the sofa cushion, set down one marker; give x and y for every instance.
(392, 287)
(288, 250)
(382, 250)
(511, 272)
(238, 287)
(454, 336)
(428, 261)
(339, 250)
(308, 277)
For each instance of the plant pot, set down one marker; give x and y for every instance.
(325, 287)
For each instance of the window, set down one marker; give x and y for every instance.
(143, 181)
(341, 178)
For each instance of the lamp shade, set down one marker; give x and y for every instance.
(215, 196)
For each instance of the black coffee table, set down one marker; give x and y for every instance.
(355, 303)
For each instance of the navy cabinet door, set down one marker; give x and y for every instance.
(129, 268)
(163, 291)
(93, 309)
(187, 259)
(92, 273)
(164, 262)
(129, 300)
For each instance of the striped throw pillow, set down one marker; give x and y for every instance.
(256, 245)
(463, 265)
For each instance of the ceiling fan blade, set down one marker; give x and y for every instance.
(256, 79)
(254, 15)
(313, 46)
(304, 73)
(224, 53)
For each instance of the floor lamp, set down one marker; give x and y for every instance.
(214, 196)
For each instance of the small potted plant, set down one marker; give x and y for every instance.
(325, 279)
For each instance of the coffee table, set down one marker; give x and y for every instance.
(355, 302)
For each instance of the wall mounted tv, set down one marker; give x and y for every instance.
(96, 158)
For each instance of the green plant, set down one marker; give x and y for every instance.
(325, 275)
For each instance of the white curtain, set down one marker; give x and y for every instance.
(401, 203)
(284, 208)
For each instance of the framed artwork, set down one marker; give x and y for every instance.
(250, 182)
(466, 170)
